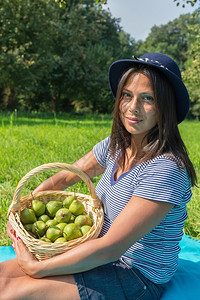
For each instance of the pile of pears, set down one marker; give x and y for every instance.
(56, 222)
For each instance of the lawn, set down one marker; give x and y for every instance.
(32, 139)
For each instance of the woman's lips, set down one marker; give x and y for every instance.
(132, 120)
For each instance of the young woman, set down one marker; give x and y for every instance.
(146, 184)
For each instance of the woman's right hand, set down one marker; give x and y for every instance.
(61, 180)
(27, 262)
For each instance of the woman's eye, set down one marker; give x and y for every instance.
(126, 96)
(148, 98)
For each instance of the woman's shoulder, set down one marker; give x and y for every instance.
(162, 178)
(101, 151)
(102, 146)
(165, 165)
(167, 160)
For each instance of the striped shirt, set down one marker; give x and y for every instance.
(156, 254)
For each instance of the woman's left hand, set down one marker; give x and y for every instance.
(25, 259)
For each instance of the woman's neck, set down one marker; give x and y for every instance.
(136, 146)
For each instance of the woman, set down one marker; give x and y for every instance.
(145, 188)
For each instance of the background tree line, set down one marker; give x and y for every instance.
(57, 59)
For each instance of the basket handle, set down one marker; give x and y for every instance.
(52, 166)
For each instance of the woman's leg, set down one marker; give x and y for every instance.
(16, 285)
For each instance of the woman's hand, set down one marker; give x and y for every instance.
(27, 262)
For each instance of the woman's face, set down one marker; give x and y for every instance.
(137, 105)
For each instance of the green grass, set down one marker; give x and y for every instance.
(190, 132)
(29, 140)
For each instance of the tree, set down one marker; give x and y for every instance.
(172, 39)
(191, 75)
(93, 44)
(180, 39)
(64, 3)
(57, 59)
(24, 48)
(192, 2)
(69, 3)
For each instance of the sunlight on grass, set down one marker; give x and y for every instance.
(30, 140)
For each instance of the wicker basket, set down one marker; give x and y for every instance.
(93, 206)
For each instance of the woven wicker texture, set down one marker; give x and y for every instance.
(93, 206)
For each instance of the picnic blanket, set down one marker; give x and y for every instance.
(185, 284)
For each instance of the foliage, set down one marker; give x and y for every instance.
(53, 59)
(25, 58)
(192, 73)
(172, 39)
(180, 39)
(191, 2)
(67, 3)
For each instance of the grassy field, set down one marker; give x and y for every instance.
(30, 140)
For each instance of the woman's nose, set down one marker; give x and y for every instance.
(134, 104)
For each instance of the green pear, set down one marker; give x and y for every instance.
(61, 240)
(38, 207)
(44, 218)
(71, 231)
(45, 239)
(77, 207)
(33, 235)
(67, 201)
(53, 233)
(72, 219)
(63, 215)
(85, 229)
(61, 226)
(83, 220)
(28, 227)
(51, 222)
(52, 207)
(39, 228)
(28, 216)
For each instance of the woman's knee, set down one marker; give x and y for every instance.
(9, 272)
(4, 285)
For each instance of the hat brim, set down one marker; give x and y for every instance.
(118, 68)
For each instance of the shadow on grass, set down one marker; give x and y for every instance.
(64, 119)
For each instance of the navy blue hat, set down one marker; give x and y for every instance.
(167, 66)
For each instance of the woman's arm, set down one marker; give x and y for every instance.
(63, 179)
(137, 219)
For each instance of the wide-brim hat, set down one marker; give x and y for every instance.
(165, 65)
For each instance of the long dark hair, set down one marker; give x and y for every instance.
(164, 138)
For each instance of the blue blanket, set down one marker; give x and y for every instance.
(185, 284)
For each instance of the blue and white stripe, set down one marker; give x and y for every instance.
(156, 254)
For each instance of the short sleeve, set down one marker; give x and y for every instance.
(162, 180)
(101, 151)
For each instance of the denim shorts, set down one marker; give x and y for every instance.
(116, 281)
